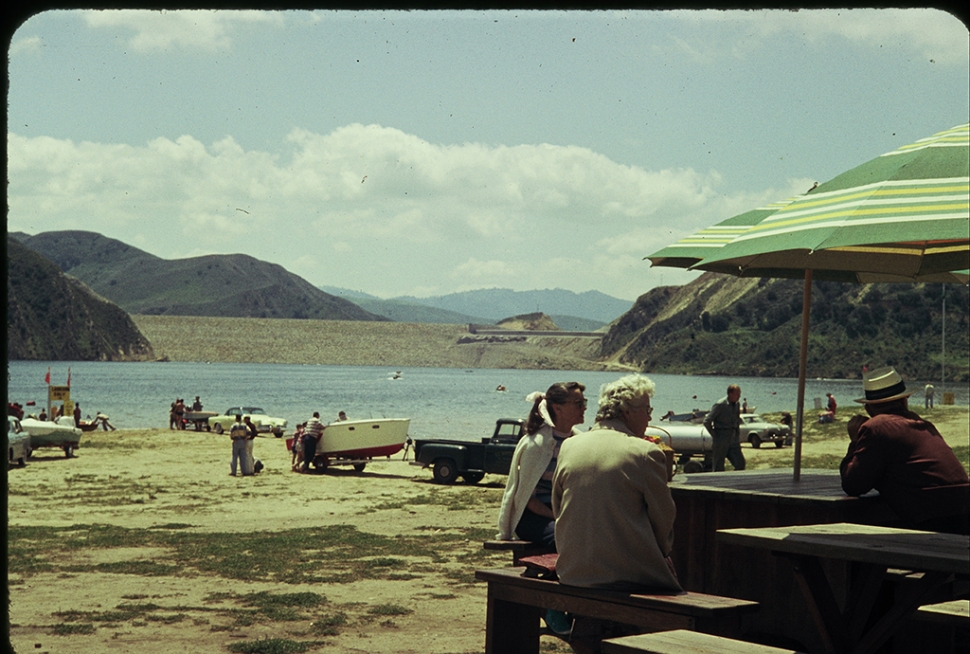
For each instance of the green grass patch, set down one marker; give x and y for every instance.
(389, 609)
(270, 646)
(335, 554)
(81, 629)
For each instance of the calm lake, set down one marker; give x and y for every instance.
(441, 402)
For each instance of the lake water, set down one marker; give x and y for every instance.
(441, 402)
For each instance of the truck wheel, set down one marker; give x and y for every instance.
(473, 477)
(693, 467)
(755, 441)
(218, 427)
(445, 471)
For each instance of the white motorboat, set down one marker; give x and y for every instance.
(355, 442)
(61, 434)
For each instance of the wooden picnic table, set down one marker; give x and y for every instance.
(761, 498)
(871, 550)
(516, 602)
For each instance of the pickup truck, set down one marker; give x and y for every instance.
(470, 460)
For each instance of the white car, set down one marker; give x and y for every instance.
(756, 431)
(18, 443)
(263, 422)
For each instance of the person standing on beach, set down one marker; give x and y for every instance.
(314, 429)
(905, 458)
(239, 433)
(251, 434)
(77, 415)
(723, 422)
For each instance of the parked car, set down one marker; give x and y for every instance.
(263, 422)
(756, 431)
(470, 460)
(18, 443)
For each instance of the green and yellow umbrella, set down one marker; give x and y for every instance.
(903, 216)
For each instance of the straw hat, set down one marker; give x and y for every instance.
(883, 385)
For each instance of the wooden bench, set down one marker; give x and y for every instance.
(515, 604)
(519, 548)
(680, 641)
(955, 612)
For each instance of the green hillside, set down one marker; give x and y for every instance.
(235, 285)
(53, 316)
(721, 325)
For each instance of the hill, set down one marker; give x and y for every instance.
(571, 311)
(500, 303)
(56, 317)
(721, 325)
(235, 285)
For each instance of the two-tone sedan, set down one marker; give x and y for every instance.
(263, 422)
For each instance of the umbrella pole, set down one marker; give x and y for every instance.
(802, 365)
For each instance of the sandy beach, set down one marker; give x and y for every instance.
(144, 543)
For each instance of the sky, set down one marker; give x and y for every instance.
(430, 152)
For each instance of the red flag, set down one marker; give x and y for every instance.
(68, 377)
(47, 377)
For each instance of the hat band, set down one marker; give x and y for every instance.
(889, 391)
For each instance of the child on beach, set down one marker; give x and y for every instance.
(296, 459)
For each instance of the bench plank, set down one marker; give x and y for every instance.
(514, 602)
(519, 548)
(683, 642)
(953, 612)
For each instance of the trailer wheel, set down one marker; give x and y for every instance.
(359, 467)
(473, 477)
(68, 451)
(445, 471)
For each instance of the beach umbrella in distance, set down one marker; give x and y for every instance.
(903, 216)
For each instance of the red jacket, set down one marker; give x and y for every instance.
(908, 462)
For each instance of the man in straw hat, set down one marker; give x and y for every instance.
(904, 458)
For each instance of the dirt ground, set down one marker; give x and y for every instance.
(151, 480)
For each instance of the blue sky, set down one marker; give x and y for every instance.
(424, 153)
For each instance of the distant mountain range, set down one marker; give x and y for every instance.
(56, 317)
(232, 285)
(570, 311)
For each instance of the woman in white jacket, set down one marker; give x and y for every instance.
(526, 510)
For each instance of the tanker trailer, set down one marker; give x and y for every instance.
(692, 445)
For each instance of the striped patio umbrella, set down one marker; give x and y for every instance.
(903, 216)
(708, 241)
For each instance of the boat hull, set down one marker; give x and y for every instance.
(51, 434)
(363, 439)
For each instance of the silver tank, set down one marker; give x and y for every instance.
(683, 438)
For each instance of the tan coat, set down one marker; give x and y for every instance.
(614, 511)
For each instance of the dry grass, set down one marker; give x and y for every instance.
(341, 342)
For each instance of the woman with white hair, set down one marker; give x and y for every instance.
(614, 511)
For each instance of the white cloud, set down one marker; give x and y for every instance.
(374, 208)
(29, 44)
(937, 35)
(193, 29)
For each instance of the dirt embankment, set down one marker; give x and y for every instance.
(341, 342)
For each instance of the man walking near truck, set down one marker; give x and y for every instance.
(723, 422)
